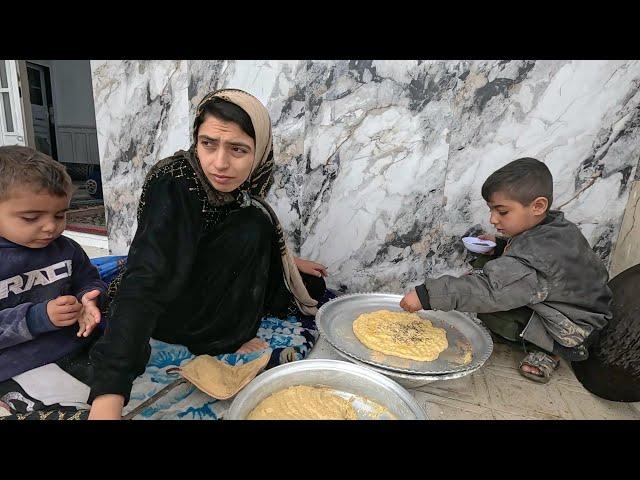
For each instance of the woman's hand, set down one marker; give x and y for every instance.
(311, 268)
(107, 407)
(253, 345)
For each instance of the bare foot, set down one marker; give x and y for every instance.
(253, 345)
(532, 370)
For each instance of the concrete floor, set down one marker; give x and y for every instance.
(498, 392)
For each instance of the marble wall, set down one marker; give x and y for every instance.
(142, 115)
(380, 163)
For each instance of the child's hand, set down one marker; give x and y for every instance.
(64, 311)
(410, 302)
(486, 236)
(90, 316)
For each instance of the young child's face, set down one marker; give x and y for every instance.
(511, 218)
(33, 218)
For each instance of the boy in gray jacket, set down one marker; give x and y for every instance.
(543, 285)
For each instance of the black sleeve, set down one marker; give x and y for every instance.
(158, 267)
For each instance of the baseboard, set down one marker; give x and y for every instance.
(88, 239)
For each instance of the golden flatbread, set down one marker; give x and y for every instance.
(304, 402)
(401, 334)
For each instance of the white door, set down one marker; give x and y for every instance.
(40, 108)
(11, 126)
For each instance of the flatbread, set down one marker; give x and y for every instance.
(304, 402)
(401, 334)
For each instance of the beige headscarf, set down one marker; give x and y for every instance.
(253, 191)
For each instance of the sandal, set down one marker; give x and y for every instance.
(543, 362)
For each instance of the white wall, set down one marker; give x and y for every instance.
(379, 164)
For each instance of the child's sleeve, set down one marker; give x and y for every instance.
(85, 276)
(504, 284)
(23, 322)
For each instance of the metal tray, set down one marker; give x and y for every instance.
(464, 333)
(410, 380)
(345, 378)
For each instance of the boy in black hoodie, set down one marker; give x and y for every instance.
(47, 283)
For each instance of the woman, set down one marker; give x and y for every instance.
(208, 259)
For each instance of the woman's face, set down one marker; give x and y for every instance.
(226, 153)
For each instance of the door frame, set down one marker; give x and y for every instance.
(25, 99)
(17, 113)
(50, 73)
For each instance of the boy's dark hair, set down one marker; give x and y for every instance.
(21, 166)
(227, 112)
(524, 180)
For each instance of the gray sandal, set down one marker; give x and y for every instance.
(543, 362)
